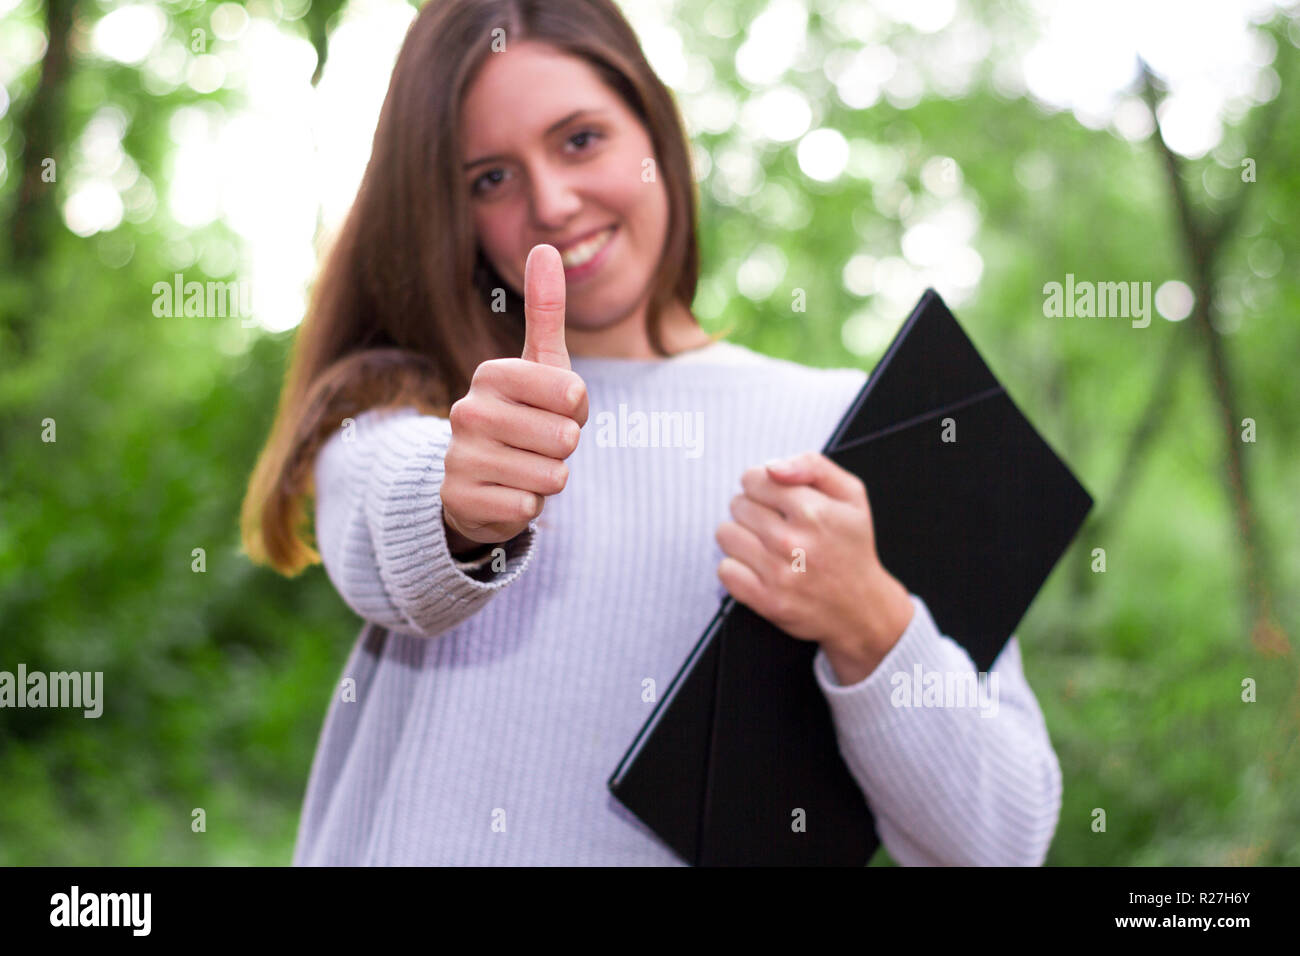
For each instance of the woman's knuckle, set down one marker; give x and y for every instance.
(467, 414)
(457, 413)
(559, 477)
(810, 511)
(581, 392)
(567, 433)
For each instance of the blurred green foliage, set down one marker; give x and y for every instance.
(216, 683)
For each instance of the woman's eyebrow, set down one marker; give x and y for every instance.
(549, 130)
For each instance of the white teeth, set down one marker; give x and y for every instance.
(583, 252)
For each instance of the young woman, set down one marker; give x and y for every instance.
(516, 274)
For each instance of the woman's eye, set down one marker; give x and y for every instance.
(477, 187)
(586, 132)
(482, 186)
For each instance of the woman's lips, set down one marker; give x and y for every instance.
(603, 242)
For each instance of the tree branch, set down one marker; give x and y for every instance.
(1203, 253)
(34, 213)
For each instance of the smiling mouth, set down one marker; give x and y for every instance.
(584, 252)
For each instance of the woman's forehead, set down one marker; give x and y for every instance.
(533, 85)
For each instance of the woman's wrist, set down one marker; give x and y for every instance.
(857, 651)
(461, 547)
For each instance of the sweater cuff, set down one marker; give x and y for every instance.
(487, 573)
(474, 586)
(865, 707)
(415, 561)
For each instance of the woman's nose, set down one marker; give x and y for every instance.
(554, 201)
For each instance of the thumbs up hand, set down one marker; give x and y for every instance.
(519, 421)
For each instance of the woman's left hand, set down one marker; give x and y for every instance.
(801, 552)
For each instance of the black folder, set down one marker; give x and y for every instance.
(743, 736)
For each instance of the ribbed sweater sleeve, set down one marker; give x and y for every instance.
(379, 525)
(947, 784)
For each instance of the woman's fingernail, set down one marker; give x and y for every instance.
(779, 464)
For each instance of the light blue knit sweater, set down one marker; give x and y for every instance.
(481, 727)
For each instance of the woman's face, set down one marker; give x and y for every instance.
(537, 170)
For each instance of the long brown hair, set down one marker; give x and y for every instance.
(401, 312)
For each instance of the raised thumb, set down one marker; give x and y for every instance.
(544, 308)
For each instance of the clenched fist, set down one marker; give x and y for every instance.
(517, 424)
